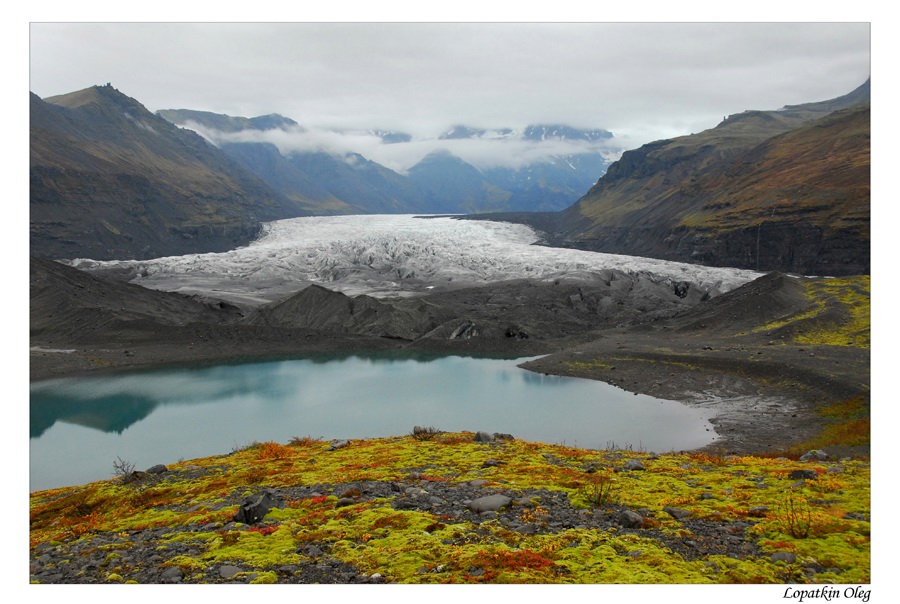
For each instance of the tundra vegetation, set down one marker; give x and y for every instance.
(704, 517)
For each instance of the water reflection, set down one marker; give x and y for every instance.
(161, 416)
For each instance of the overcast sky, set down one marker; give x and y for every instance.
(642, 81)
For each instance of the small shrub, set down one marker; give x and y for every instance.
(600, 489)
(122, 468)
(229, 538)
(420, 433)
(254, 475)
(453, 440)
(272, 450)
(241, 448)
(305, 441)
(796, 515)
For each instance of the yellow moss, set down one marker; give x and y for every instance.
(849, 300)
(409, 546)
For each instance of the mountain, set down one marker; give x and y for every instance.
(227, 123)
(541, 132)
(442, 182)
(109, 179)
(324, 184)
(549, 183)
(453, 185)
(781, 190)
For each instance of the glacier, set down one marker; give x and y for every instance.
(390, 255)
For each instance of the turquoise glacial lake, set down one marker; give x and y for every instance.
(80, 426)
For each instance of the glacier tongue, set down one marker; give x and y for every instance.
(391, 255)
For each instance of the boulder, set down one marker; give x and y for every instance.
(676, 513)
(634, 464)
(490, 503)
(802, 475)
(787, 557)
(254, 508)
(630, 519)
(814, 455)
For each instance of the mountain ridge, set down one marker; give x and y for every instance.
(109, 179)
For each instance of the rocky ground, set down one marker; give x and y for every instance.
(452, 503)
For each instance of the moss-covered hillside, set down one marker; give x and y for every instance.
(408, 510)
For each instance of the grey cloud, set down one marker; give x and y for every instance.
(643, 81)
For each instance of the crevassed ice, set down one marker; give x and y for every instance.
(389, 255)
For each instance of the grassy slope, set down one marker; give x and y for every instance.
(817, 174)
(727, 178)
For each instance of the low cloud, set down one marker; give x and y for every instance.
(483, 153)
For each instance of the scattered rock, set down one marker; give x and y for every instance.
(676, 513)
(630, 519)
(135, 476)
(787, 557)
(483, 437)
(157, 469)
(802, 475)
(814, 455)
(634, 464)
(253, 509)
(338, 444)
(171, 575)
(310, 550)
(490, 503)
(228, 571)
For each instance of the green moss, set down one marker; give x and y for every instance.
(410, 546)
(266, 577)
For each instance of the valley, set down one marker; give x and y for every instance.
(676, 331)
(671, 230)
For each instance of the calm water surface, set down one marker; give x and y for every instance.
(80, 426)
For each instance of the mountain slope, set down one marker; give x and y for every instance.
(767, 190)
(111, 180)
